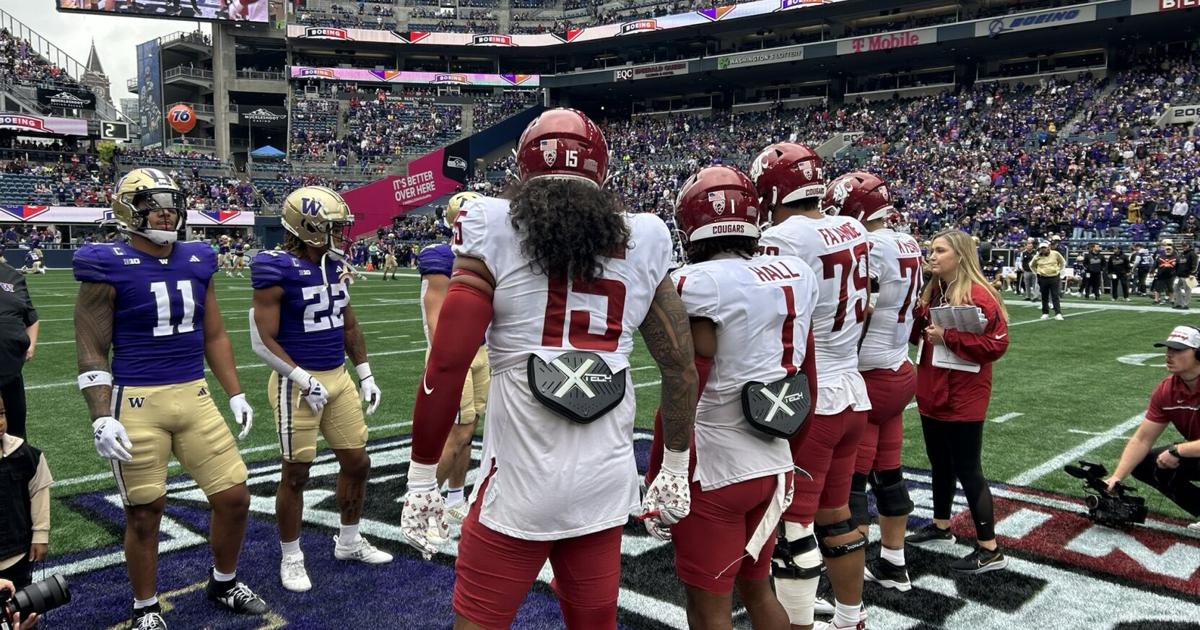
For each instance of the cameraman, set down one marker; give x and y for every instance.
(1170, 469)
(15, 620)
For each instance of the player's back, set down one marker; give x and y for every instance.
(158, 311)
(895, 264)
(555, 478)
(311, 324)
(762, 308)
(835, 248)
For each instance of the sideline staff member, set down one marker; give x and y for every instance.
(1171, 469)
(1048, 264)
(18, 337)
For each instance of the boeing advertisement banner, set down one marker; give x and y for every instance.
(149, 77)
(208, 10)
(30, 123)
(693, 18)
(424, 78)
(436, 174)
(1035, 20)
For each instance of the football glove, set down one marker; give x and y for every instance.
(242, 414)
(311, 390)
(112, 442)
(366, 385)
(668, 499)
(423, 518)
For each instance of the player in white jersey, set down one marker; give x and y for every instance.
(790, 179)
(750, 320)
(895, 270)
(563, 278)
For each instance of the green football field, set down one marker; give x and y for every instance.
(1065, 389)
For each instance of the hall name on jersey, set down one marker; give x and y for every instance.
(840, 234)
(774, 272)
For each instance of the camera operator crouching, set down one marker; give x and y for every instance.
(1172, 470)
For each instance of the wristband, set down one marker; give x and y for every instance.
(300, 377)
(676, 461)
(1174, 451)
(364, 371)
(422, 477)
(94, 378)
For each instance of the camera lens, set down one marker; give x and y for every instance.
(1092, 501)
(42, 596)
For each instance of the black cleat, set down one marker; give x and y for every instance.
(888, 575)
(235, 596)
(980, 561)
(148, 618)
(930, 534)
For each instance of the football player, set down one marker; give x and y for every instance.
(223, 256)
(389, 261)
(303, 327)
(896, 279)
(750, 320)
(35, 261)
(563, 276)
(435, 263)
(239, 257)
(152, 302)
(791, 181)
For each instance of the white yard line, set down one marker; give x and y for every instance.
(1008, 416)
(1056, 463)
(1034, 321)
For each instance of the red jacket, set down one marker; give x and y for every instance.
(952, 394)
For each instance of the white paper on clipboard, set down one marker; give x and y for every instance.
(965, 318)
(944, 358)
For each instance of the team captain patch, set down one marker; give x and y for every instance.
(778, 409)
(578, 386)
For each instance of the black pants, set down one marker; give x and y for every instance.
(1122, 282)
(1091, 284)
(20, 574)
(12, 392)
(954, 450)
(1141, 280)
(1050, 293)
(1175, 483)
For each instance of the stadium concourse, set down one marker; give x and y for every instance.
(1083, 158)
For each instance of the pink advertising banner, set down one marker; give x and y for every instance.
(426, 78)
(375, 204)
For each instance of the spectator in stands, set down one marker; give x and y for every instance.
(1048, 265)
(1185, 275)
(1117, 266)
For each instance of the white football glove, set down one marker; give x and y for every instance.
(423, 518)
(668, 499)
(311, 390)
(112, 442)
(366, 384)
(242, 414)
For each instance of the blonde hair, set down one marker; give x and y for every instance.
(958, 292)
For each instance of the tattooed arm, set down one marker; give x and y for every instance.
(668, 336)
(93, 338)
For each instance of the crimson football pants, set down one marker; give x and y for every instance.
(830, 450)
(890, 391)
(495, 571)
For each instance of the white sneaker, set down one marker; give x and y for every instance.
(293, 574)
(456, 514)
(1195, 525)
(360, 550)
(1045, 316)
(1058, 317)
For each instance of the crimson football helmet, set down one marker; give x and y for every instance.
(717, 201)
(563, 143)
(786, 173)
(860, 196)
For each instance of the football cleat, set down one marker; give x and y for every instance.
(293, 574)
(237, 597)
(887, 575)
(150, 620)
(829, 625)
(360, 550)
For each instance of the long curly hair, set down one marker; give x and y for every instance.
(566, 226)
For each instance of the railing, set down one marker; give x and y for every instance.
(192, 37)
(41, 45)
(131, 85)
(184, 71)
(199, 108)
(260, 75)
(193, 143)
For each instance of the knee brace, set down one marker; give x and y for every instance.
(858, 507)
(797, 568)
(837, 529)
(891, 493)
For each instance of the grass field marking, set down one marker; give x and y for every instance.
(1057, 462)
(242, 330)
(1100, 306)
(911, 405)
(647, 384)
(1008, 416)
(1034, 321)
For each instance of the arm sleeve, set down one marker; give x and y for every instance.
(30, 315)
(273, 361)
(39, 499)
(987, 346)
(464, 319)
(89, 266)
(1154, 411)
(266, 271)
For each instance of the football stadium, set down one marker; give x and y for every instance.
(1065, 127)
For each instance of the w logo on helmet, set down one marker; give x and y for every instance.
(310, 207)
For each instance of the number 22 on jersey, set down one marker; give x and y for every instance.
(324, 309)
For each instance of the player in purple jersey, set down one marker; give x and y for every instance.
(303, 327)
(435, 264)
(152, 302)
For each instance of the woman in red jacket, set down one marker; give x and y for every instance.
(953, 402)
